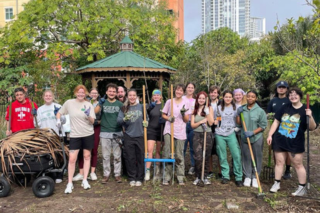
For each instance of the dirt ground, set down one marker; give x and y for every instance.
(115, 197)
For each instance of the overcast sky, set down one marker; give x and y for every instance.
(272, 10)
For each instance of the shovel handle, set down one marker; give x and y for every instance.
(269, 157)
(308, 106)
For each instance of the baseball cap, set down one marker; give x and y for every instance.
(282, 84)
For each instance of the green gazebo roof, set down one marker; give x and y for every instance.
(126, 61)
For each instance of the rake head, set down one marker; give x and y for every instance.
(268, 173)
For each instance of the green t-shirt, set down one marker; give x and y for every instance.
(109, 115)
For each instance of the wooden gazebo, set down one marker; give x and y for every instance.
(126, 66)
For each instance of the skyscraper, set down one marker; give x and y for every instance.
(234, 14)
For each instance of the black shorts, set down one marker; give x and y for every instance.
(82, 143)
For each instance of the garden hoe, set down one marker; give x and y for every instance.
(204, 127)
(260, 194)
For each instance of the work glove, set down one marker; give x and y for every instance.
(87, 111)
(152, 105)
(89, 98)
(171, 119)
(102, 100)
(56, 110)
(206, 110)
(127, 117)
(236, 129)
(145, 124)
(34, 111)
(161, 120)
(239, 111)
(58, 124)
(249, 134)
(204, 127)
(183, 110)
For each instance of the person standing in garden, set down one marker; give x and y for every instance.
(154, 130)
(181, 113)
(225, 136)
(110, 109)
(201, 121)
(190, 87)
(256, 122)
(280, 99)
(46, 116)
(131, 118)
(287, 138)
(93, 98)
(20, 113)
(82, 117)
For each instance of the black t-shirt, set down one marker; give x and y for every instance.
(290, 134)
(154, 115)
(276, 103)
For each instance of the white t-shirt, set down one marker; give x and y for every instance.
(79, 124)
(47, 119)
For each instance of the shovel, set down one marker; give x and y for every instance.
(268, 171)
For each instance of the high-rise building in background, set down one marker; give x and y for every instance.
(176, 7)
(257, 28)
(234, 14)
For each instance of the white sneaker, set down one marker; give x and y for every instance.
(138, 183)
(58, 180)
(207, 182)
(302, 190)
(132, 183)
(255, 183)
(85, 184)
(147, 176)
(247, 182)
(93, 176)
(69, 188)
(196, 181)
(77, 177)
(275, 187)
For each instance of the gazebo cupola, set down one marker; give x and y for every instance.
(126, 44)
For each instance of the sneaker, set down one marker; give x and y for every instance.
(239, 183)
(181, 183)
(191, 171)
(58, 180)
(275, 187)
(287, 175)
(165, 183)
(247, 182)
(147, 176)
(196, 181)
(224, 181)
(118, 179)
(93, 176)
(138, 183)
(301, 191)
(207, 182)
(77, 177)
(105, 179)
(69, 188)
(255, 183)
(85, 184)
(132, 183)
(210, 175)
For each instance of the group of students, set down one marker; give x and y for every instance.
(105, 120)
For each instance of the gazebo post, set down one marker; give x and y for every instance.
(128, 83)
(160, 82)
(94, 82)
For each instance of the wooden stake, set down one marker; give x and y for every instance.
(171, 125)
(144, 119)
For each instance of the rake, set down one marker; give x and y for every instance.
(268, 172)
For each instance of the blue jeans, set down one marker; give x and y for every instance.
(189, 131)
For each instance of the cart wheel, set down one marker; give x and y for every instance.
(43, 186)
(5, 187)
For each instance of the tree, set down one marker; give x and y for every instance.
(300, 41)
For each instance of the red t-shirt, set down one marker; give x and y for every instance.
(21, 117)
